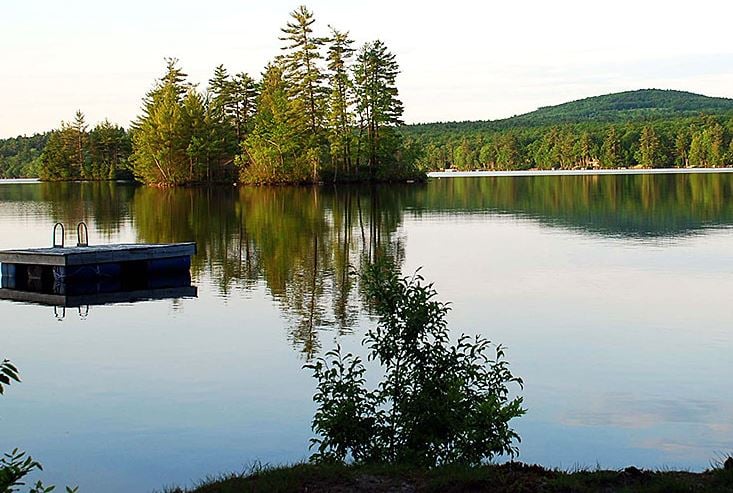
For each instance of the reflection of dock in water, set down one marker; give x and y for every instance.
(101, 291)
(102, 298)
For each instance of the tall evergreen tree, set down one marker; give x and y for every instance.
(301, 70)
(160, 137)
(58, 159)
(340, 101)
(611, 154)
(584, 150)
(272, 151)
(713, 140)
(377, 102)
(109, 149)
(697, 155)
(244, 92)
(649, 153)
(681, 147)
(222, 99)
(78, 132)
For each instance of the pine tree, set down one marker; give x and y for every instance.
(508, 154)
(377, 102)
(301, 70)
(78, 132)
(194, 134)
(611, 155)
(650, 148)
(565, 149)
(714, 144)
(272, 151)
(160, 137)
(681, 147)
(340, 100)
(109, 150)
(697, 153)
(584, 150)
(244, 93)
(58, 157)
(221, 89)
(65, 156)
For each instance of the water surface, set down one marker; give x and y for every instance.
(611, 292)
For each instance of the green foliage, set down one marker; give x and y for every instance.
(378, 106)
(649, 153)
(8, 374)
(58, 158)
(340, 117)
(437, 403)
(606, 131)
(74, 153)
(302, 73)
(273, 151)
(20, 156)
(314, 116)
(701, 141)
(15, 466)
(335, 123)
(183, 137)
(109, 150)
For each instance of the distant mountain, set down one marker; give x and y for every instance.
(626, 105)
(617, 107)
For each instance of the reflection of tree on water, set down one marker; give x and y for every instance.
(307, 242)
(302, 242)
(105, 205)
(635, 206)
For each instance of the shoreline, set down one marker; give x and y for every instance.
(578, 172)
(510, 477)
(19, 181)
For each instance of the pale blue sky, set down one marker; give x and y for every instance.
(460, 59)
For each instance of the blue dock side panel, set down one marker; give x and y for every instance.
(7, 277)
(8, 270)
(176, 264)
(91, 271)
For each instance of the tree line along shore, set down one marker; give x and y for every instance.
(244, 145)
(322, 110)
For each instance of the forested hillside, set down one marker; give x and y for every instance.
(19, 156)
(649, 128)
(257, 131)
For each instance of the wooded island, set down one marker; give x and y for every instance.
(322, 111)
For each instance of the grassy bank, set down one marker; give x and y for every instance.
(512, 477)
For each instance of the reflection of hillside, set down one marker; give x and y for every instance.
(620, 205)
(302, 242)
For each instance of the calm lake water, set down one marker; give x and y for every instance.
(612, 293)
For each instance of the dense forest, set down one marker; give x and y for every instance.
(322, 110)
(20, 156)
(325, 111)
(647, 128)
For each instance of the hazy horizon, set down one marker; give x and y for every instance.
(469, 62)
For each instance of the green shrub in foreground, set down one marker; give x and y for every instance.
(437, 403)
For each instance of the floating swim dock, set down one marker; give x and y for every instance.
(99, 261)
(54, 269)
